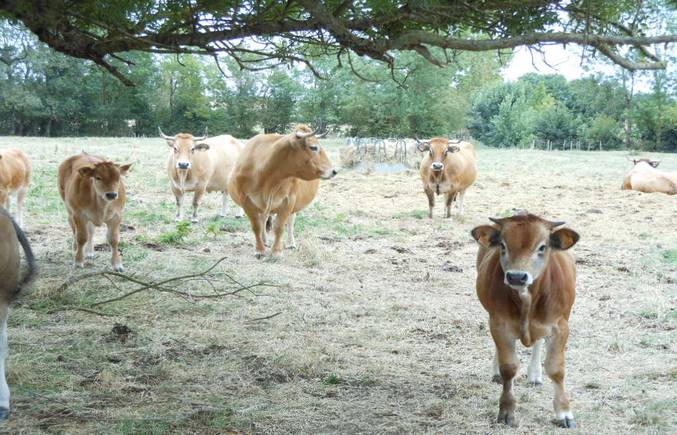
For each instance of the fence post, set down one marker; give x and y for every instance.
(600, 145)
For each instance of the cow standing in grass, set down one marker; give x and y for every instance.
(526, 281)
(11, 284)
(278, 175)
(644, 177)
(199, 165)
(447, 169)
(15, 176)
(94, 194)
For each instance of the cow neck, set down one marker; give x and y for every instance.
(275, 172)
(525, 301)
(437, 178)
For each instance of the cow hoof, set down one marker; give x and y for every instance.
(258, 255)
(567, 423)
(4, 413)
(506, 418)
(90, 256)
(119, 269)
(276, 254)
(536, 383)
(239, 216)
(496, 379)
(290, 247)
(177, 219)
(194, 221)
(80, 265)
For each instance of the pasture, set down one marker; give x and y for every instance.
(374, 325)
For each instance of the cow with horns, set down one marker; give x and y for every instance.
(198, 164)
(448, 168)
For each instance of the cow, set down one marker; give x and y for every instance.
(94, 193)
(447, 168)
(15, 176)
(526, 282)
(11, 284)
(307, 190)
(278, 175)
(644, 177)
(199, 165)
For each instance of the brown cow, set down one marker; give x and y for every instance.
(11, 283)
(447, 168)
(526, 281)
(644, 177)
(94, 194)
(268, 176)
(199, 165)
(15, 176)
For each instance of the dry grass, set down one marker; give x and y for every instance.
(380, 330)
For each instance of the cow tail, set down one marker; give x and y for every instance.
(30, 258)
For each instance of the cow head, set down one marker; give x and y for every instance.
(525, 242)
(438, 148)
(184, 146)
(106, 178)
(652, 163)
(309, 159)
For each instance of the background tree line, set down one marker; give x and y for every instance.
(45, 93)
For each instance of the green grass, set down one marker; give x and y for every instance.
(177, 235)
(670, 256)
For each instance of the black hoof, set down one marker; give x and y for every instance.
(496, 379)
(567, 423)
(4, 413)
(536, 383)
(507, 419)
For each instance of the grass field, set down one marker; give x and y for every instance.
(375, 325)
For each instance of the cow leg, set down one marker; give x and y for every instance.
(291, 242)
(5, 200)
(20, 199)
(113, 237)
(508, 363)
(278, 227)
(535, 371)
(554, 367)
(197, 198)
(4, 388)
(495, 372)
(178, 194)
(81, 238)
(460, 203)
(255, 221)
(431, 201)
(267, 223)
(89, 246)
(71, 222)
(449, 201)
(224, 205)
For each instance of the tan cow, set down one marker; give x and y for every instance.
(274, 176)
(448, 169)
(199, 165)
(15, 176)
(94, 194)
(307, 190)
(526, 281)
(644, 177)
(11, 284)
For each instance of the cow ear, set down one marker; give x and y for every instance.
(485, 235)
(563, 239)
(423, 146)
(201, 146)
(654, 163)
(453, 149)
(124, 168)
(87, 171)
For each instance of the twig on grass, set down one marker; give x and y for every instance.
(265, 317)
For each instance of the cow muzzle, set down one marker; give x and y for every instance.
(111, 195)
(518, 278)
(183, 165)
(331, 173)
(437, 166)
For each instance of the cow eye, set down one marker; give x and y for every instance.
(504, 247)
(314, 148)
(431, 151)
(98, 178)
(541, 249)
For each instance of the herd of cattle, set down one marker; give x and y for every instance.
(525, 279)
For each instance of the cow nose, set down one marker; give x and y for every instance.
(517, 278)
(333, 172)
(183, 165)
(437, 166)
(111, 195)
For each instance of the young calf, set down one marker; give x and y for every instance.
(11, 284)
(94, 194)
(526, 281)
(15, 176)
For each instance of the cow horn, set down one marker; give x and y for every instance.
(323, 134)
(199, 138)
(302, 135)
(497, 221)
(164, 136)
(557, 224)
